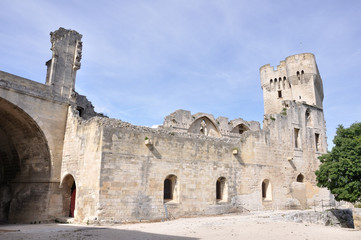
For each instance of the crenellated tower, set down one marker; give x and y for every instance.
(66, 46)
(296, 78)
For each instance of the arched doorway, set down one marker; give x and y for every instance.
(69, 193)
(24, 167)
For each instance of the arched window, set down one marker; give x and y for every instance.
(302, 76)
(300, 178)
(170, 188)
(270, 85)
(298, 75)
(308, 117)
(266, 190)
(221, 190)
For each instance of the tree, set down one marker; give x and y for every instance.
(340, 169)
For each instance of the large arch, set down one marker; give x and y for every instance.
(25, 167)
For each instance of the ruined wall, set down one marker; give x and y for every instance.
(82, 161)
(136, 161)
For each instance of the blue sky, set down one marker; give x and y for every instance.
(142, 60)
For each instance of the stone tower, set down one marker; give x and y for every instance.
(62, 67)
(296, 78)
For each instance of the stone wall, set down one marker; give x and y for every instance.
(129, 166)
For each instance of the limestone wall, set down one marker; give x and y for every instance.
(126, 167)
(82, 161)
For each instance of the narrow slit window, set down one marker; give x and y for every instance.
(317, 141)
(296, 137)
(279, 94)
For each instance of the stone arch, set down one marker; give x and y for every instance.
(300, 178)
(221, 190)
(266, 190)
(25, 166)
(240, 128)
(206, 126)
(68, 184)
(170, 189)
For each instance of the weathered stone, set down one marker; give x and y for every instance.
(57, 152)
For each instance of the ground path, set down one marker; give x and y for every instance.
(254, 226)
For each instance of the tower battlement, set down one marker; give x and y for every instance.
(296, 78)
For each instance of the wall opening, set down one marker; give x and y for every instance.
(308, 117)
(296, 136)
(170, 188)
(279, 94)
(298, 75)
(80, 111)
(266, 190)
(240, 129)
(317, 141)
(300, 178)
(69, 196)
(221, 190)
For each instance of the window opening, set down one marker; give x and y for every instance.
(221, 189)
(170, 188)
(296, 136)
(168, 195)
(279, 94)
(266, 190)
(317, 141)
(80, 110)
(300, 178)
(308, 117)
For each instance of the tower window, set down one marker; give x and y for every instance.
(317, 141)
(279, 94)
(296, 135)
(298, 75)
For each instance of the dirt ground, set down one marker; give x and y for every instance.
(255, 226)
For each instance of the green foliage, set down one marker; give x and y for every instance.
(340, 169)
(284, 112)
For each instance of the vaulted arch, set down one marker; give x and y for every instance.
(25, 167)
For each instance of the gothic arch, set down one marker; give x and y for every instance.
(206, 126)
(25, 165)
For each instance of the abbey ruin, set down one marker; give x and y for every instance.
(59, 158)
